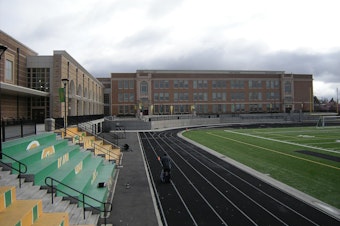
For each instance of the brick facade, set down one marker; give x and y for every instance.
(209, 92)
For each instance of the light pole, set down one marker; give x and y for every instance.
(65, 81)
(2, 51)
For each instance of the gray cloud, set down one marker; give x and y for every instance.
(324, 66)
(125, 35)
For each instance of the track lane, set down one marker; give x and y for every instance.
(172, 205)
(191, 197)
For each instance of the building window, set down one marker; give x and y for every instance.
(161, 97)
(200, 84)
(255, 84)
(200, 97)
(288, 87)
(272, 84)
(120, 84)
(106, 98)
(237, 84)
(181, 84)
(131, 84)
(237, 96)
(219, 84)
(255, 107)
(120, 97)
(181, 96)
(255, 96)
(219, 96)
(143, 88)
(126, 84)
(38, 78)
(126, 97)
(132, 97)
(9, 70)
(161, 84)
(237, 108)
(272, 95)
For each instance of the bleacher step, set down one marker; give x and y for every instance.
(58, 206)
(26, 211)
(52, 219)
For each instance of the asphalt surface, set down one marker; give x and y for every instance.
(133, 201)
(207, 190)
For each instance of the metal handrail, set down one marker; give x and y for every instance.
(83, 197)
(18, 170)
(69, 131)
(107, 151)
(95, 134)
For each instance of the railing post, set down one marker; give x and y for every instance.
(19, 175)
(84, 204)
(22, 128)
(3, 131)
(52, 189)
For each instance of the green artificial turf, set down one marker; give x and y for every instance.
(274, 151)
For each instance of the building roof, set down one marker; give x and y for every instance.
(209, 71)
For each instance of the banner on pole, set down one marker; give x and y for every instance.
(61, 94)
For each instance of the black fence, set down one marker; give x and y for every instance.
(75, 120)
(11, 129)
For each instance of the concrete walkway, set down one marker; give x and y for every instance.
(133, 201)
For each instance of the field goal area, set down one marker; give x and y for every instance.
(328, 120)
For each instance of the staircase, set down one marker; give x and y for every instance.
(93, 143)
(26, 212)
(76, 174)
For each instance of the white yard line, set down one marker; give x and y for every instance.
(284, 142)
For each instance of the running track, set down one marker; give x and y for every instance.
(206, 190)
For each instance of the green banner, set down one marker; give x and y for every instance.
(61, 94)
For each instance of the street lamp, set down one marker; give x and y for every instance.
(65, 81)
(2, 51)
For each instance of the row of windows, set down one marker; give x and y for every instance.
(126, 97)
(126, 84)
(201, 96)
(200, 84)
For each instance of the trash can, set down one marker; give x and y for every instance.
(49, 124)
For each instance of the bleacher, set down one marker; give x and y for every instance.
(75, 166)
(26, 212)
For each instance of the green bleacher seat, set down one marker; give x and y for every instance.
(96, 190)
(81, 179)
(21, 144)
(66, 169)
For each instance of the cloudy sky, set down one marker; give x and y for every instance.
(104, 36)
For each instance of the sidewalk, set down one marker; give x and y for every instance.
(133, 203)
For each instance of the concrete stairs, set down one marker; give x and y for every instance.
(28, 191)
(26, 212)
(93, 143)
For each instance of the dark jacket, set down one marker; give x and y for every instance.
(166, 162)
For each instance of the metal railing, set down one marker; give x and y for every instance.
(108, 152)
(17, 128)
(91, 129)
(82, 200)
(18, 170)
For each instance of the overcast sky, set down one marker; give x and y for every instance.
(104, 36)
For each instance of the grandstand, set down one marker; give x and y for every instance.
(57, 177)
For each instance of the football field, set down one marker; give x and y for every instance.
(306, 158)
